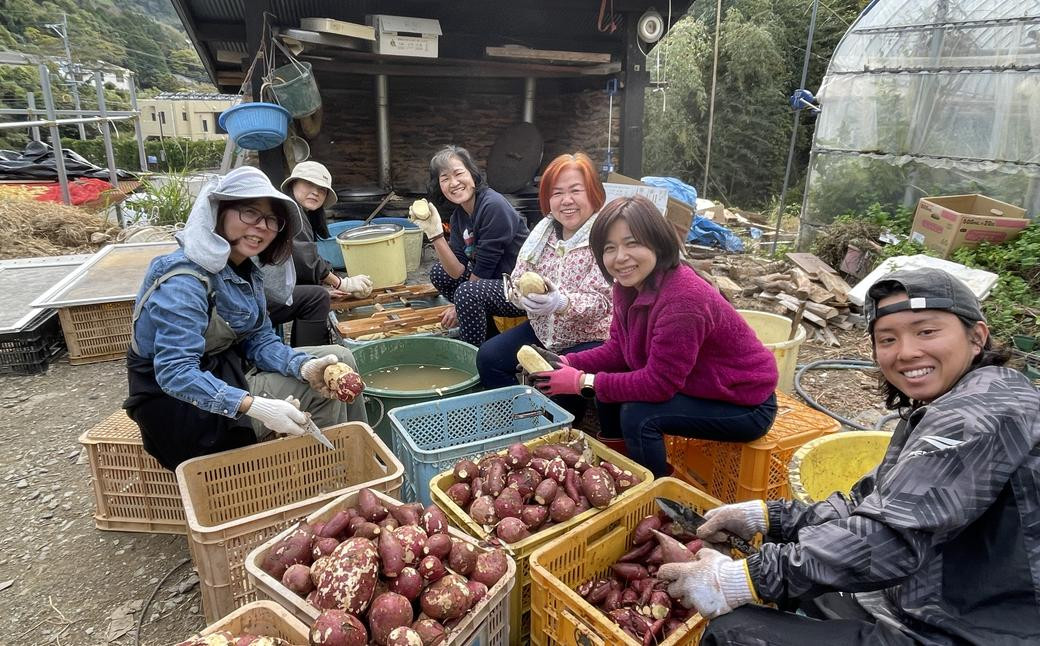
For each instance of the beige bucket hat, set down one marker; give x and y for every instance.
(316, 174)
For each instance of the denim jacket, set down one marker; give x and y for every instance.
(174, 319)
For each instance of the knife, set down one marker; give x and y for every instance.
(316, 433)
(689, 520)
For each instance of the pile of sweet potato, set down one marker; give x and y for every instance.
(225, 638)
(390, 573)
(631, 595)
(524, 490)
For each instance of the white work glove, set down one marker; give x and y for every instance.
(313, 372)
(359, 286)
(426, 216)
(745, 519)
(713, 584)
(544, 304)
(281, 416)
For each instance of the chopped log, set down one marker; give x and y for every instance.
(836, 285)
(728, 286)
(842, 322)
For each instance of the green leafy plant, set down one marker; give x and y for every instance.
(166, 200)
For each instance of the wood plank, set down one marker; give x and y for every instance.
(810, 263)
(728, 286)
(392, 322)
(519, 52)
(836, 285)
(842, 322)
(823, 311)
(339, 28)
(390, 294)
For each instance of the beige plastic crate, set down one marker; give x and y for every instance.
(262, 618)
(236, 500)
(486, 625)
(99, 332)
(132, 491)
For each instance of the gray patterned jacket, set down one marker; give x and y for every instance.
(943, 539)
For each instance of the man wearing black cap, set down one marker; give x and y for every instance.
(940, 544)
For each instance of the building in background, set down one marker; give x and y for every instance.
(111, 75)
(192, 115)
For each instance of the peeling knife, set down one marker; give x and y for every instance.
(316, 433)
(689, 520)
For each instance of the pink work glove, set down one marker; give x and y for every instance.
(563, 381)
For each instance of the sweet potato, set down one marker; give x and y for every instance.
(508, 503)
(534, 516)
(389, 523)
(477, 592)
(597, 487)
(322, 547)
(483, 510)
(460, 494)
(581, 504)
(672, 551)
(518, 455)
(656, 555)
(637, 554)
(463, 557)
(407, 513)
(354, 523)
(695, 546)
(349, 579)
(511, 530)
(297, 578)
(491, 566)
(294, 548)
(337, 525)
(413, 540)
(598, 591)
(431, 631)
(496, 478)
(336, 627)
(370, 507)
(547, 451)
(431, 568)
(530, 282)
(660, 604)
(572, 484)
(538, 464)
(545, 492)
(391, 554)
(389, 610)
(642, 533)
(368, 530)
(562, 508)
(408, 583)
(623, 478)
(629, 596)
(612, 600)
(438, 545)
(317, 566)
(433, 521)
(652, 634)
(404, 636)
(448, 598)
(465, 471)
(486, 462)
(344, 383)
(629, 571)
(556, 469)
(571, 457)
(531, 361)
(476, 488)
(519, 480)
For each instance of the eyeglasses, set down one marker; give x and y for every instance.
(249, 215)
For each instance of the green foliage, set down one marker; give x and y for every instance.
(1013, 307)
(167, 201)
(861, 229)
(182, 155)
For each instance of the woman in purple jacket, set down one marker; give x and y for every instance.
(679, 359)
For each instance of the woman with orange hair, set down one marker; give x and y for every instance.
(575, 313)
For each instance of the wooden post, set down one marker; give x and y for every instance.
(636, 80)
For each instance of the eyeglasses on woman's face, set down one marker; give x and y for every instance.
(252, 216)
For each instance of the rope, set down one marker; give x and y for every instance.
(846, 364)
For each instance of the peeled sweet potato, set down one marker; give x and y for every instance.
(344, 382)
(530, 282)
(408, 583)
(438, 545)
(370, 507)
(597, 487)
(531, 361)
(404, 636)
(491, 567)
(389, 610)
(460, 494)
(335, 627)
(448, 598)
(349, 579)
(297, 578)
(465, 471)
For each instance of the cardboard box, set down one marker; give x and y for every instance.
(945, 224)
(678, 213)
(405, 36)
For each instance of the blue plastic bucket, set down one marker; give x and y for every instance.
(328, 248)
(257, 125)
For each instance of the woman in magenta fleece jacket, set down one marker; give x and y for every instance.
(679, 359)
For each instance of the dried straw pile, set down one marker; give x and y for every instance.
(30, 228)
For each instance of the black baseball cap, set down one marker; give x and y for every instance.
(927, 289)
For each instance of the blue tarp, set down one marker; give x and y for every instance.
(703, 231)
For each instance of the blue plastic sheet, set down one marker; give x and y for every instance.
(677, 188)
(703, 231)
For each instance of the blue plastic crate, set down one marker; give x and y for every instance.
(432, 436)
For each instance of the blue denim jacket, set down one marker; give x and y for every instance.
(174, 319)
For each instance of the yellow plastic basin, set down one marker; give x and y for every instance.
(834, 463)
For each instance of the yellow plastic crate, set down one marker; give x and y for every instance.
(236, 500)
(132, 491)
(736, 471)
(485, 625)
(265, 618)
(559, 615)
(520, 599)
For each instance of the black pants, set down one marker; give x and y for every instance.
(475, 302)
(309, 313)
(759, 626)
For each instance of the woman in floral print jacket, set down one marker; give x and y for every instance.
(575, 314)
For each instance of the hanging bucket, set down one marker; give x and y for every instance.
(295, 90)
(256, 126)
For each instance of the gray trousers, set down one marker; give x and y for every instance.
(324, 412)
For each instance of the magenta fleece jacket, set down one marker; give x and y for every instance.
(682, 337)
